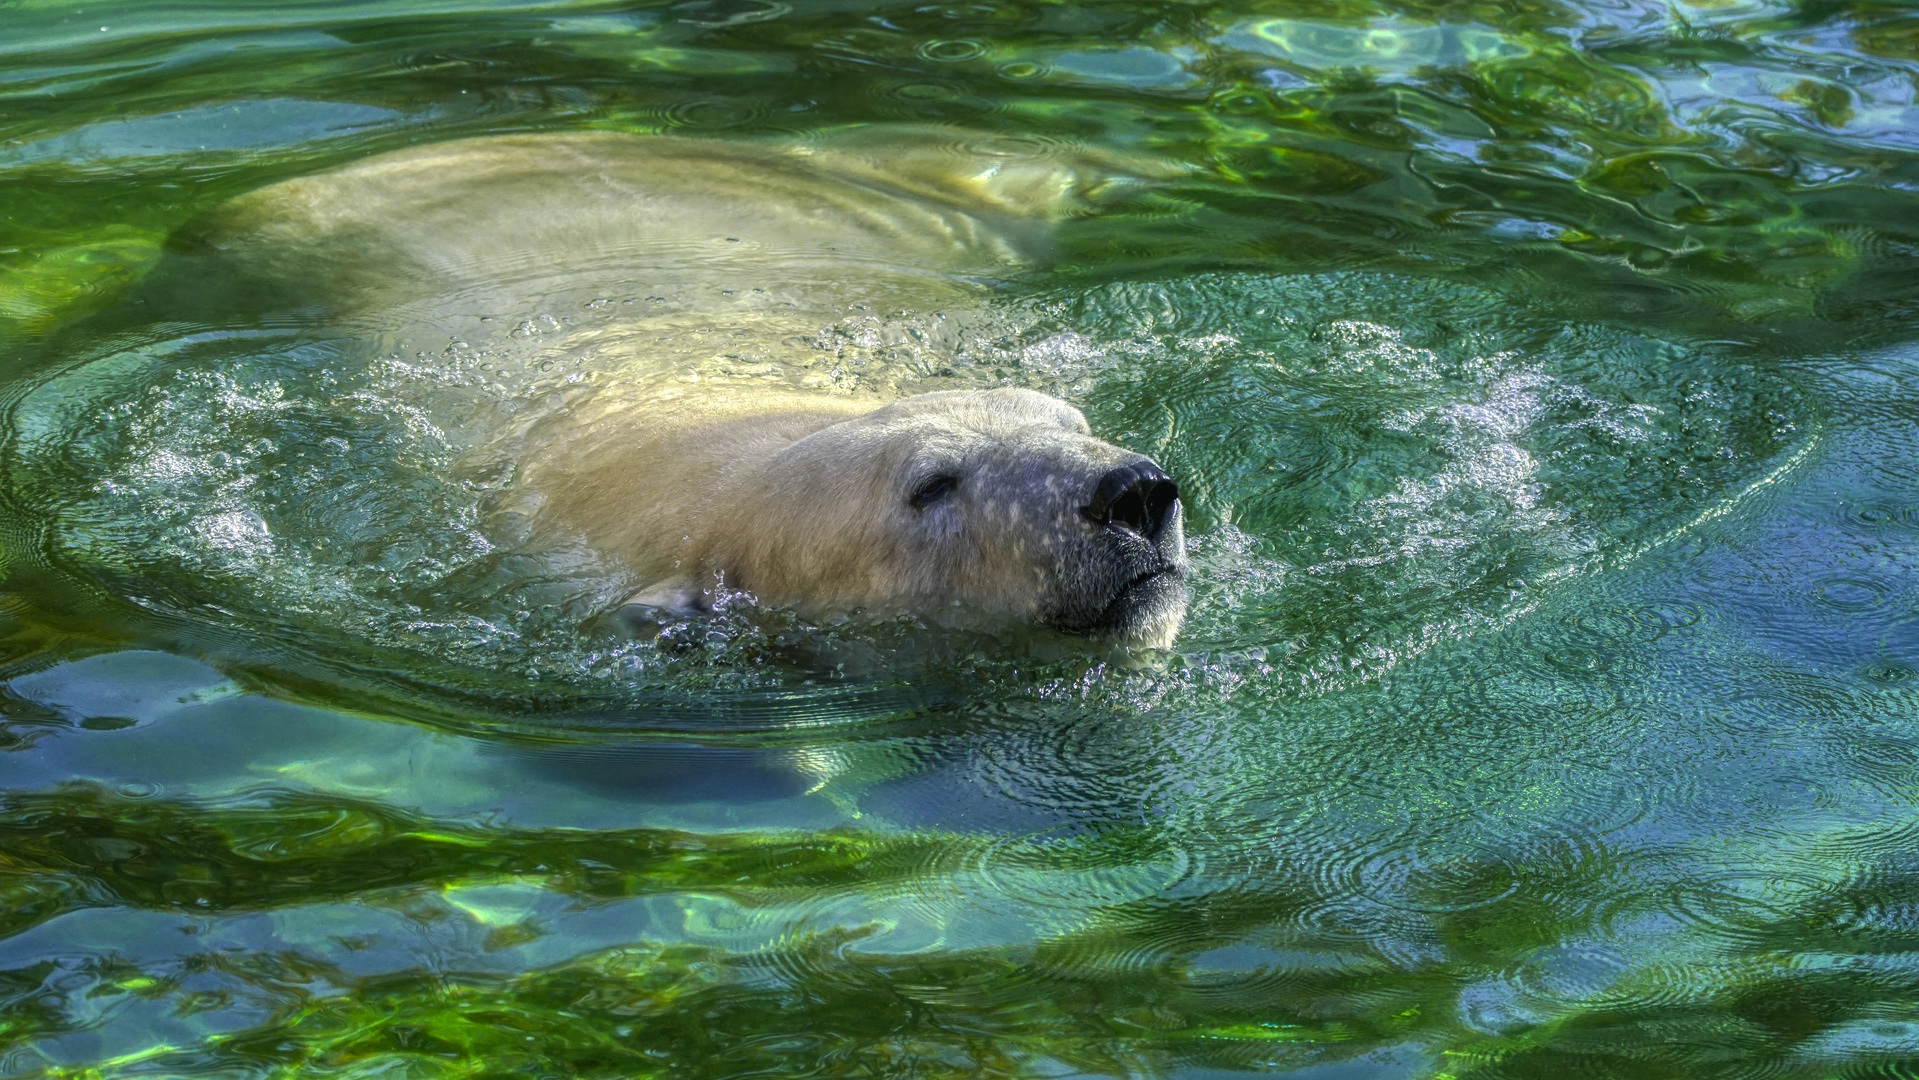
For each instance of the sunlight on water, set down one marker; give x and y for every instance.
(1539, 384)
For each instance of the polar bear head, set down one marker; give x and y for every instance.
(959, 507)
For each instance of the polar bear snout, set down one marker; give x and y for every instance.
(1138, 497)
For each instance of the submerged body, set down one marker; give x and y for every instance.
(960, 507)
(905, 217)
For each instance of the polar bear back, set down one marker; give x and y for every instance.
(904, 217)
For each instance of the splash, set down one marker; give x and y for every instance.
(1371, 465)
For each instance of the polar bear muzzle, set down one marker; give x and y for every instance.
(1138, 502)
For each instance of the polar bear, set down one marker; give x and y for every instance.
(959, 507)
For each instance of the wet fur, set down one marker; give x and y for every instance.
(806, 503)
(803, 501)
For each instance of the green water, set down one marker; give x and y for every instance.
(1542, 379)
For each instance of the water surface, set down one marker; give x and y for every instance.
(1541, 379)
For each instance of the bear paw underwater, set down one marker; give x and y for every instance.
(962, 508)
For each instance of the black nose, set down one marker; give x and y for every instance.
(1139, 497)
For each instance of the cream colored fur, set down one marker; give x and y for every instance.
(803, 501)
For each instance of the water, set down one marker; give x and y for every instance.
(1541, 382)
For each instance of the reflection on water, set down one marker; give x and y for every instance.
(1536, 380)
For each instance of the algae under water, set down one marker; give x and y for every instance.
(1542, 377)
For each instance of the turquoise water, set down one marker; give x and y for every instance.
(1541, 383)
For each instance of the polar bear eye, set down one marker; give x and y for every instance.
(933, 491)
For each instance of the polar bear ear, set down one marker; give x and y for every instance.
(665, 601)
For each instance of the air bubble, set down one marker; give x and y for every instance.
(952, 51)
(1850, 594)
